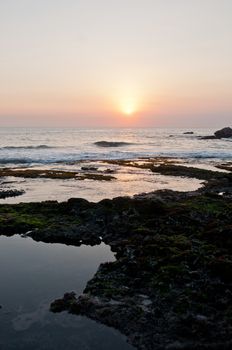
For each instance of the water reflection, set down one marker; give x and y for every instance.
(34, 274)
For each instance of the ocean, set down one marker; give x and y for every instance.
(70, 149)
(30, 146)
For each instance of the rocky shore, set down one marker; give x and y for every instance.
(171, 284)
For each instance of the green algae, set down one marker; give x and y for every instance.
(19, 218)
(54, 174)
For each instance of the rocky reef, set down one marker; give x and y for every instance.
(10, 193)
(219, 134)
(170, 286)
(56, 174)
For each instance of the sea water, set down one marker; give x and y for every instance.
(26, 146)
(67, 149)
(32, 275)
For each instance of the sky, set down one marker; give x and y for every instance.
(114, 63)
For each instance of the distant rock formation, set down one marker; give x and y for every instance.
(219, 134)
(223, 133)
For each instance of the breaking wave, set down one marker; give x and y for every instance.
(26, 147)
(111, 144)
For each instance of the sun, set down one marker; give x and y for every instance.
(128, 110)
(128, 107)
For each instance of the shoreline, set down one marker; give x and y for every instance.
(112, 177)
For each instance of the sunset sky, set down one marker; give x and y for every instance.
(116, 63)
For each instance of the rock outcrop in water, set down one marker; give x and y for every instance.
(10, 193)
(219, 134)
(223, 133)
(56, 174)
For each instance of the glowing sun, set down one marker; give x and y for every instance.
(128, 107)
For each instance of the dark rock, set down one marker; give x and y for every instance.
(223, 133)
(209, 137)
(109, 171)
(11, 193)
(222, 267)
(171, 282)
(63, 304)
(188, 133)
(89, 168)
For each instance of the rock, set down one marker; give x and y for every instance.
(176, 346)
(201, 318)
(188, 133)
(11, 193)
(89, 168)
(63, 304)
(109, 171)
(209, 137)
(223, 133)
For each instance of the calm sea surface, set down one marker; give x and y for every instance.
(48, 146)
(32, 275)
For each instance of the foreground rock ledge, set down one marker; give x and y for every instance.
(171, 284)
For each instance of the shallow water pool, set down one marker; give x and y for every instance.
(32, 275)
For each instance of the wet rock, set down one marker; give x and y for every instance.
(222, 267)
(109, 171)
(54, 174)
(223, 133)
(89, 168)
(11, 193)
(63, 304)
(208, 137)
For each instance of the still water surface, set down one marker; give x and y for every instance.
(32, 275)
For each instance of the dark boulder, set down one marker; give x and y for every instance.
(223, 133)
(63, 304)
